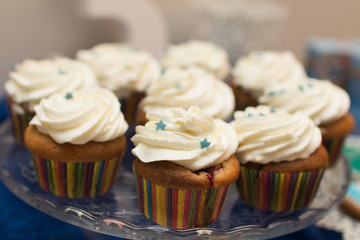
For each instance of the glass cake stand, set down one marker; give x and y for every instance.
(116, 213)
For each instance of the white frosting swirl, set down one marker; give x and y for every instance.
(269, 135)
(80, 116)
(187, 87)
(32, 80)
(262, 68)
(321, 100)
(120, 67)
(188, 138)
(198, 53)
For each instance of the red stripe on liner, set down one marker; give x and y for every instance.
(43, 174)
(186, 209)
(286, 191)
(85, 188)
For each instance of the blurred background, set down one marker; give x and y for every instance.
(44, 28)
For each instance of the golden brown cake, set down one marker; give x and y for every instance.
(171, 175)
(334, 135)
(66, 152)
(317, 160)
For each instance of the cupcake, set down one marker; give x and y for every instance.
(253, 73)
(184, 166)
(281, 158)
(77, 142)
(32, 80)
(202, 54)
(124, 69)
(324, 102)
(186, 87)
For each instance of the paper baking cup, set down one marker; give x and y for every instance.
(177, 208)
(334, 147)
(19, 122)
(276, 191)
(76, 180)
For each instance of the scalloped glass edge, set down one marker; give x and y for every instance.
(120, 228)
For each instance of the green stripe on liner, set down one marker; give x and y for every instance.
(302, 191)
(99, 177)
(49, 176)
(81, 177)
(192, 206)
(210, 205)
(275, 191)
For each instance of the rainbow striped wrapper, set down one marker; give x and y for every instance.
(19, 122)
(334, 147)
(277, 191)
(178, 208)
(76, 180)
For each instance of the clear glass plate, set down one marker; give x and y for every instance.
(116, 213)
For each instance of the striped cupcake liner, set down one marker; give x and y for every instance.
(19, 122)
(178, 208)
(277, 191)
(334, 147)
(76, 180)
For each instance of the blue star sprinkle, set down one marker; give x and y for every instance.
(250, 115)
(301, 88)
(13, 66)
(272, 110)
(204, 143)
(271, 94)
(61, 72)
(68, 96)
(160, 125)
(162, 71)
(262, 115)
(310, 85)
(178, 86)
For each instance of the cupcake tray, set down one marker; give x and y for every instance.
(116, 213)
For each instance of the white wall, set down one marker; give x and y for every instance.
(40, 28)
(319, 18)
